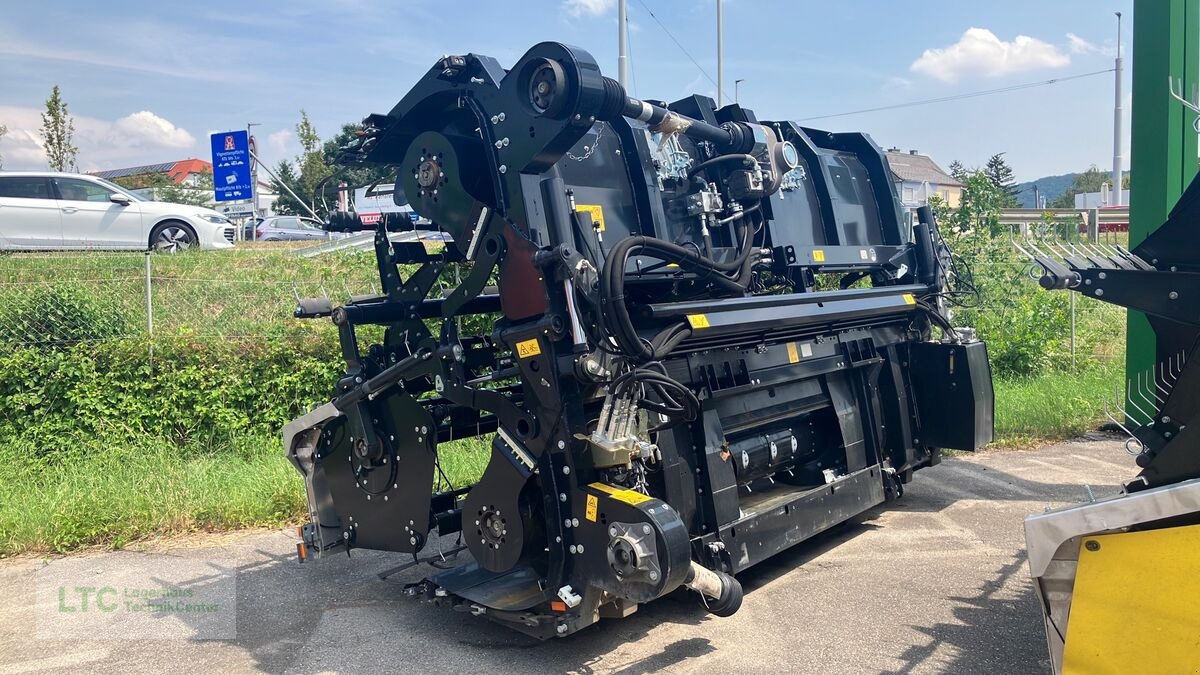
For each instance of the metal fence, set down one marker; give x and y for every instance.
(63, 298)
(250, 293)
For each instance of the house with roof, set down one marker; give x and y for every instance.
(918, 178)
(184, 173)
(189, 173)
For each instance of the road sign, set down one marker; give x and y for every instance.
(231, 166)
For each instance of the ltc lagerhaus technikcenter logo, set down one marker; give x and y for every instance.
(135, 596)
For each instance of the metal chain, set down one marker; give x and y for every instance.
(588, 149)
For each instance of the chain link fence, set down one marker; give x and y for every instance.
(58, 299)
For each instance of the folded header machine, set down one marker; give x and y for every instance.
(1118, 578)
(709, 337)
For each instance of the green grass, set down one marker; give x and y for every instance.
(1054, 406)
(118, 492)
(98, 447)
(245, 292)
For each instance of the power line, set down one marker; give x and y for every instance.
(958, 97)
(681, 47)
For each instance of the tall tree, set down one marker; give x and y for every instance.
(1088, 181)
(958, 171)
(286, 204)
(3, 133)
(312, 163)
(979, 209)
(305, 176)
(58, 130)
(1001, 174)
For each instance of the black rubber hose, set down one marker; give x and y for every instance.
(731, 597)
(744, 212)
(940, 320)
(750, 161)
(613, 286)
(612, 282)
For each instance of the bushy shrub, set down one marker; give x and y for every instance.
(1026, 327)
(183, 390)
(1026, 335)
(59, 315)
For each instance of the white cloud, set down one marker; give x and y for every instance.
(588, 8)
(139, 138)
(145, 129)
(980, 53)
(1078, 45)
(278, 142)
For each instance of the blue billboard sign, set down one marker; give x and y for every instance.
(231, 166)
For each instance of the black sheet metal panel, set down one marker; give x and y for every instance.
(953, 388)
(384, 503)
(513, 590)
(777, 520)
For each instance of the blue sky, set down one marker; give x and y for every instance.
(148, 81)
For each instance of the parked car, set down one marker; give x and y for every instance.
(52, 211)
(287, 228)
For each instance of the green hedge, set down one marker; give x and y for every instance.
(175, 389)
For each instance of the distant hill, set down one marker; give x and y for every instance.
(1049, 187)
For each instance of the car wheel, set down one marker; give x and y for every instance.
(172, 236)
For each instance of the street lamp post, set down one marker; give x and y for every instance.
(720, 57)
(1118, 115)
(253, 178)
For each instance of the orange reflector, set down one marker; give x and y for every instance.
(302, 551)
(300, 531)
(558, 606)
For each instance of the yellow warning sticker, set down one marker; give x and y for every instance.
(698, 320)
(592, 505)
(909, 299)
(818, 255)
(597, 213)
(528, 348)
(621, 495)
(793, 353)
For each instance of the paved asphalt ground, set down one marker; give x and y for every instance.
(936, 582)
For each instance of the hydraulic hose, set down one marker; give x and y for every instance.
(613, 291)
(749, 160)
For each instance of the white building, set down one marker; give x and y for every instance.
(918, 178)
(1098, 200)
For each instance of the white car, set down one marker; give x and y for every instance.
(55, 211)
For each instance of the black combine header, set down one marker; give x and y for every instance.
(705, 338)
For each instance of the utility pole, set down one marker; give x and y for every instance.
(1118, 115)
(736, 86)
(253, 175)
(622, 45)
(720, 57)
